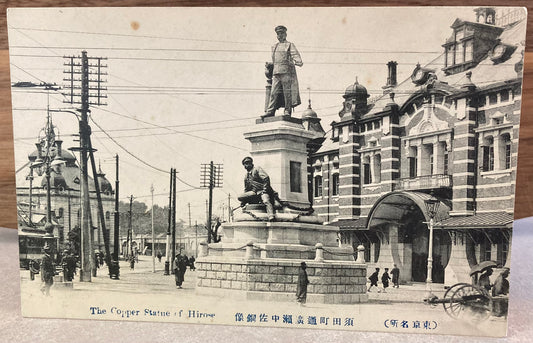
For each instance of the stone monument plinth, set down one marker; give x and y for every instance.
(259, 259)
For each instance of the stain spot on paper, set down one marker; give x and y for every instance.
(135, 25)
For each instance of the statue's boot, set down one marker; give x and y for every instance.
(267, 114)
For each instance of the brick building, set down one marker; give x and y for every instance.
(448, 132)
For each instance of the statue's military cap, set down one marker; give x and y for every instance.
(280, 28)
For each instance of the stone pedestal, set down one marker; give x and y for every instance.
(260, 260)
(276, 280)
(279, 147)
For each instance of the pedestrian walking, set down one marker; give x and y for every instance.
(159, 255)
(395, 272)
(47, 270)
(374, 280)
(180, 266)
(301, 287)
(385, 280)
(132, 262)
(191, 263)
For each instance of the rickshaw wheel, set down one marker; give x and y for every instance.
(448, 297)
(472, 302)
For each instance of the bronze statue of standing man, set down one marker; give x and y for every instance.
(284, 92)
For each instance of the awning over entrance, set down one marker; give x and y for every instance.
(395, 207)
(350, 224)
(477, 221)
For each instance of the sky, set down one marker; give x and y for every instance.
(185, 84)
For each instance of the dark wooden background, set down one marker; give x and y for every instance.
(8, 215)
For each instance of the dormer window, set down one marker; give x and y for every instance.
(469, 44)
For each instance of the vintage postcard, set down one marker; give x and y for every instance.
(317, 168)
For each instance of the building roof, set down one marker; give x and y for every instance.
(350, 224)
(477, 221)
(485, 73)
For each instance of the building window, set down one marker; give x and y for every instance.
(488, 154)
(296, 176)
(446, 161)
(493, 99)
(335, 184)
(107, 215)
(60, 212)
(459, 53)
(367, 175)
(469, 51)
(449, 56)
(377, 124)
(502, 253)
(318, 186)
(505, 155)
(431, 162)
(377, 168)
(504, 96)
(486, 251)
(412, 167)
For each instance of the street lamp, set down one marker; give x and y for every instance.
(432, 206)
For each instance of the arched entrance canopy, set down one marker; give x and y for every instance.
(394, 206)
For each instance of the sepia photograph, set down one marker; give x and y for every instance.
(308, 168)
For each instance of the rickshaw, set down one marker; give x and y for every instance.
(464, 300)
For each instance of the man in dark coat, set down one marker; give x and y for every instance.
(301, 287)
(385, 280)
(500, 292)
(180, 266)
(47, 270)
(191, 263)
(374, 280)
(395, 272)
(257, 187)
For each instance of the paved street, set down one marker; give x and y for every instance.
(143, 290)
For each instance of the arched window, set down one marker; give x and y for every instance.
(318, 186)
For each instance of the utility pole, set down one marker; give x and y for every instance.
(130, 229)
(167, 250)
(84, 98)
(211, 175)
(153, 233)
(196, 232)
(116, 238)
(229, 208)
(101, 216)
(173, 215)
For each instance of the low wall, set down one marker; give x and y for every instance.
(269, 279)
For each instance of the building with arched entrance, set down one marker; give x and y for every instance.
(449, 133)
